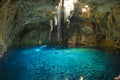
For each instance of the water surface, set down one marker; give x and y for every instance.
(45, 63)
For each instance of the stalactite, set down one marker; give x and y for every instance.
(51, 25)
(51, 29)
(55, 19)
(69, 8)
(64, 13)
(59, 22)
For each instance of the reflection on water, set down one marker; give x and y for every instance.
(58, 64)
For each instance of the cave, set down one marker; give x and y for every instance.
(60, 40)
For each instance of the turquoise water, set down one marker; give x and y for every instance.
(45, 63)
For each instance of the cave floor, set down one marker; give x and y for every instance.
(43, 63)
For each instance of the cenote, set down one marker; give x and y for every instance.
(54, 63)
(59, 39)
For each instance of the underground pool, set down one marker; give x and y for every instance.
(54, 63)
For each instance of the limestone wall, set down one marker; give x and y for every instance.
(25, 23)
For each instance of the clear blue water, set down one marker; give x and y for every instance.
(45, 63)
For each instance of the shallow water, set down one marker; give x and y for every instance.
(45, 63)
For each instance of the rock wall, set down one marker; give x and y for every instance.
(108, 26)
(21, 22)
(25, 23)
(8, 10)
(100, 27)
